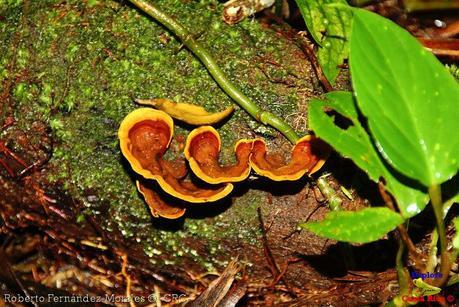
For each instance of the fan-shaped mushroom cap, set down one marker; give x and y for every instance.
(158, 206)
(308, 156)
(202, 150)
(145, 135)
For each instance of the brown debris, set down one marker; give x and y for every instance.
(221, 292)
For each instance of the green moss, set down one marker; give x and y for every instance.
(454, 70)
(86, 61)
(4, 4)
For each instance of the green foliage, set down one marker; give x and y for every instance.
(454, 70)
(410, 104)
(330, 27)
(10, 3)
(354, 142)
(46, 95)
(456, 236)
(408, 97)
(363, 226)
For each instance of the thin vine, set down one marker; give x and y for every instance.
(265, 117)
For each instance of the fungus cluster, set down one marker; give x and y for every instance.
(145, 135)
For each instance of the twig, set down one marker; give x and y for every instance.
(450, 31)
(219, 76)
(308, 50)
(442, 46)
(4, 150)
(284, 270)
(9, 276)
(218, 290)
(126, 276)
(273, 267)
(157, 296)
(269, 255)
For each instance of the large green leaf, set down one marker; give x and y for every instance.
(363, 226)
(352, 141)
(409, 98)
(330, 27)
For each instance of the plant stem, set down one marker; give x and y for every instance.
(437, 204)
(219, 76)
(403, 277)
(334, 201)
(416, 256)
(432, 258)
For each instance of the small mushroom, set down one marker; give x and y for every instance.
(159, 207)
(145, 135)
(308, 156)
(187, 112)
(202, 150)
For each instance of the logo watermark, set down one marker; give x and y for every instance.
(425, 292)
(107, 299)
(416, 275)
(430, 298)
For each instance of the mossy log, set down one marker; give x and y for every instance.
(69, 73)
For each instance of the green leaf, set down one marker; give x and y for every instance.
(409, 98)
(425, 288)
(455, 199)
(363, 226)
(330, 28)
(352, 141)
(456, 236)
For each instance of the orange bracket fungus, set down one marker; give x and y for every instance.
(202, 149)
(308, 156)
(159, 207)
(186, 112)
(145, 135)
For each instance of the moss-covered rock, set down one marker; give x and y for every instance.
(77, 67)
